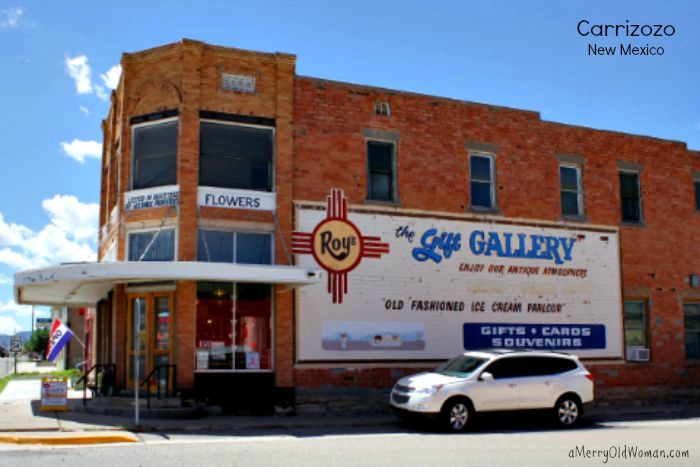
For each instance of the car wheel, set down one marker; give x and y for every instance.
(568, 410)
(457, 415)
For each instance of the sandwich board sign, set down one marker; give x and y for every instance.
(54, 393)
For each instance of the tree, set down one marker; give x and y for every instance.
(38, 342)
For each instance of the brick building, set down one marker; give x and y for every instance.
(439, 225)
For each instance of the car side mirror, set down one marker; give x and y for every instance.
(486, 376)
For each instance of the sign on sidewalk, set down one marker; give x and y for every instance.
(54, 393)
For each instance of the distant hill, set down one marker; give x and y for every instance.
(5, 339)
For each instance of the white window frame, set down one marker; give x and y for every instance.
(136, 126)
(273, 174)
(579, 189)
(492, 182)
(235, 233)
(645, 320)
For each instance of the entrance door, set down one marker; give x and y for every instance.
(149, 342)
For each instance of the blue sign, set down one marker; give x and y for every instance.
(534, 336)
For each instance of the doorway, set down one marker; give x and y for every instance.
(149, 335)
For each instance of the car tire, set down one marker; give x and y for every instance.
(457, 415)
(568, 410)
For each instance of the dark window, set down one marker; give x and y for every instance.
(570, 181)
(234, 329)
(380, 162)
(155, 155)
(481, 178)
(234, 247)
(544, 366)
(236, 157)
(635, 323)
(214, 246)
(629, 197)
(697, 196)
(155, 245)
(691, 315)
(505, 368)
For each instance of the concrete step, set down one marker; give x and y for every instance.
(119, 401)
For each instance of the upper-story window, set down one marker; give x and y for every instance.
(381, 167)
(630, 197)
(483, 194)
(571, 190)
(154, 154)
(216, 246)
(152, 245)
(236, 156)
(697, 194)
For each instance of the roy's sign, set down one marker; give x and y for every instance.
(437, 284)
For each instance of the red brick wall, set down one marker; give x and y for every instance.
(657, 257)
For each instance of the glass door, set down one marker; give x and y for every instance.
(149, 337)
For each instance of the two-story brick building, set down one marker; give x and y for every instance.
(229, 182)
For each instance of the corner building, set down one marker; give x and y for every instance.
(439, 225)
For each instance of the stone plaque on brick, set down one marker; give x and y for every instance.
(238, 83)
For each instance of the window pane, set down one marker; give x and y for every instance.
(252, 248)
(155, 155)
(635, 322)
(629, 186)
(691, 313)
(480, 168)
(253, 331)
(380, 186)
(215, 246)
(162, 323)
(569, 178)
(214, 335)
(162, 248)
(481, 194)
(569, 203)
(630, 210)
(235, 157)
(379, 156)
(697, 196)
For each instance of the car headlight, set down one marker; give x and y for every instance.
(430, 390)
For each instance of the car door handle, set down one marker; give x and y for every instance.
(512, 385)
(548, 383)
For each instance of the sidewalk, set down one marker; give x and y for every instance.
(22, 421)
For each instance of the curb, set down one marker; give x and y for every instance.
(69, 438)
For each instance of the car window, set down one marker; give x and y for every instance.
(555, 365)
(508, 367)
(461, 366)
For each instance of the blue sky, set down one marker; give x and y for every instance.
(59, 62)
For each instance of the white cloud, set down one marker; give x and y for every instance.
(79, 69)
(10, 17)
(12, 234)
(9, 326)
(68, 214)
(79, 149)
(111, 78)
(69, 236)
(12, 307)
(5, 280)
(85, 110)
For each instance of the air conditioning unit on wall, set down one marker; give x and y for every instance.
(638, 354)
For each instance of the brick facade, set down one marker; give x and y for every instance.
(320, 144)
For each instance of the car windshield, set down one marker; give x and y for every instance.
(461, 366)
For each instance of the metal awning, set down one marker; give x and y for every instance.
(84, 284)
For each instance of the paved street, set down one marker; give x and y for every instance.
(395, 444)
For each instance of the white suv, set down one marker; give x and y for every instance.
(496, 380)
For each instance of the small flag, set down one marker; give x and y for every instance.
(58, 338)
